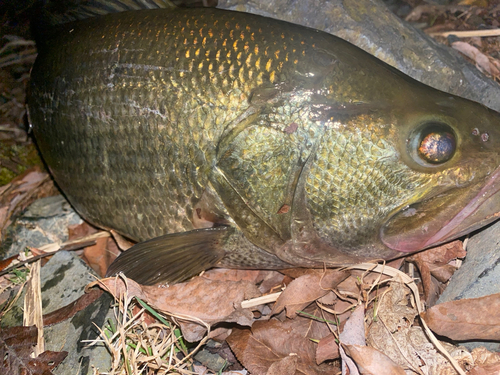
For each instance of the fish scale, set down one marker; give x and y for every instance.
(226, 139)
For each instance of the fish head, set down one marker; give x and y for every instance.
(455, 146)
(396, 176)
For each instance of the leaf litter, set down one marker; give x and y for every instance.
(471, 27)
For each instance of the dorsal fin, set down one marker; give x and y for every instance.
(70, 11)
(49, 15)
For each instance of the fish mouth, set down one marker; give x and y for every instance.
(482, 208)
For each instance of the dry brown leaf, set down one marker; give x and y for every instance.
(306, 289)
(482, 356)
(271, 341)
(372, 362)
(16, 346)
(391, 331)
(22, 191)
(223, 274)
(211, 301)
(71, 309)
(466, 319)
(285, 366)
(353, 333)
(101, 255)
(122, 243)
(327, 349)
(354, 329)
(435, 262)
(485, 370)
(98, 255)
(482, 61)
(486, 362)
(313, 328)
(443, 254)
(266, 279)
(80, 230)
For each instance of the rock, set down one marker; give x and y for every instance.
(479, 275)
(73, 335)
(209, 356)
(45, 221)
(370, 25)
(63, 280)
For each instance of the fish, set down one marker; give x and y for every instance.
(222, 139)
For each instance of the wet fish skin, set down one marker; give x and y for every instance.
(302, 146)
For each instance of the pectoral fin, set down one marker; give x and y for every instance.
(172, 258)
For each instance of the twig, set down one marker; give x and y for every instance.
(469, 33)
(260, 300)
(51, 248)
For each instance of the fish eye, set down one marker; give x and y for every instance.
(435, 143)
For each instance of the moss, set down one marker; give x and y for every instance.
(23, 156)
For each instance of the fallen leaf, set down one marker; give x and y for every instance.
(270, 341)
(306, 289)
(101, 255)
(122, 243)
(285, 366)
(353, 333)
(16, 346)
(98, 255)
(7, 262)
(483, 356)
(482, 61)
(371, 362)
(435, 262)
(485, 370)
(391, 330)
(327, 349)
(211, 301)
(22, 191)
(466, 319)
(485, 362)
(223, 274)
(71, 309)
(266, 279)
(76, 231)
(354, 329)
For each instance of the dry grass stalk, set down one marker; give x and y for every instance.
(139, 347)
(469, 33)
(33, 306)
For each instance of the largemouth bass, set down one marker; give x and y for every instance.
(223, 139)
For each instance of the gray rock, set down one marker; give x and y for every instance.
(72, 335)
(209, 357)
(479, 275)
(45, 221)
(370, 25)
(63, 280)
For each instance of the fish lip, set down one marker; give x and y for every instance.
(482, 208)
(449, 231)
